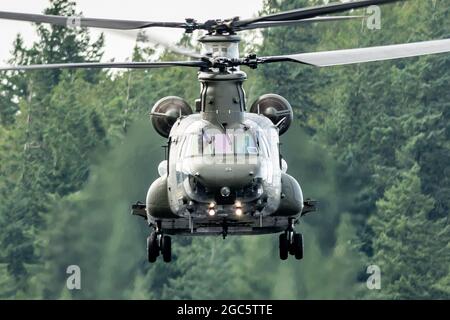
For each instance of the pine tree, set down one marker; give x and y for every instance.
(30, 197)
(410, 248)
(74, 155)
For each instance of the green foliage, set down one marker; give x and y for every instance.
(389, 130)
(369, 142)
(403, 225)
(42, 162)
(284, 79)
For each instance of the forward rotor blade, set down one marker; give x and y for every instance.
(107, 65)
(269, 24)
(352, 56)
(76, 21)
(306, 13)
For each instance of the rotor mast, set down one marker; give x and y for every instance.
(219, 45)
(222, 97)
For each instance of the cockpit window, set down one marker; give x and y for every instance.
(221, 144)
(263, 144)
(218, 143)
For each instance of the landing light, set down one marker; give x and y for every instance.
(239, 212)
(238, 204)
(211, 212)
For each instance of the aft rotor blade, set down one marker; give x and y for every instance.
(352, 56)
(107, 65)
(76, 21)
(269, 24)
(306, 13)
(156, 40)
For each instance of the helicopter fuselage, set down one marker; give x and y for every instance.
(223, 171)
(215, 178)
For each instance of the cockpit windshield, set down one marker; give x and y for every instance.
(219, 143)
(205, 158)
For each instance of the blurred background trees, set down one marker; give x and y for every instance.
(370, 142)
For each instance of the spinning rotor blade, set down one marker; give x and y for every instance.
(306, 13)
(156, 40)
(220, 26)
(117, 25)
(351, 56)
(269, 24)
(76, 21)
(107, 65)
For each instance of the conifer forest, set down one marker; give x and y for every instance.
(370, 142)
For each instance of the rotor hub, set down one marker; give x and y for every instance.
(223, 46)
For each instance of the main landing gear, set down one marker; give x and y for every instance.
(157, 243)
(291, 243)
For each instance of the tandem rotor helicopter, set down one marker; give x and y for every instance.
(223, 172)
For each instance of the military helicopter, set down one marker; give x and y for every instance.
(223, 173)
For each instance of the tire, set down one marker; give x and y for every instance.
(152, 247)
(166, 249)
(298, 246)
(284, 247)
(291, 247)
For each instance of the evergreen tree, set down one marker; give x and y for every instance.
(75, 153)
(30, 197)
(410, 248)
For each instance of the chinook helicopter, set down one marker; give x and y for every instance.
(223, 173)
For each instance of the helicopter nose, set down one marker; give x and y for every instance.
(226, 176)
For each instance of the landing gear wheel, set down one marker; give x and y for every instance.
(297, 246)
(152, 247)
(166, 248)
(291, 249)
(284, 246)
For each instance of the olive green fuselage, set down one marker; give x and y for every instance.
(224, 159)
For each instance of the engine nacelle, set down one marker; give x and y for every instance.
(276, 108)
(165, 113)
